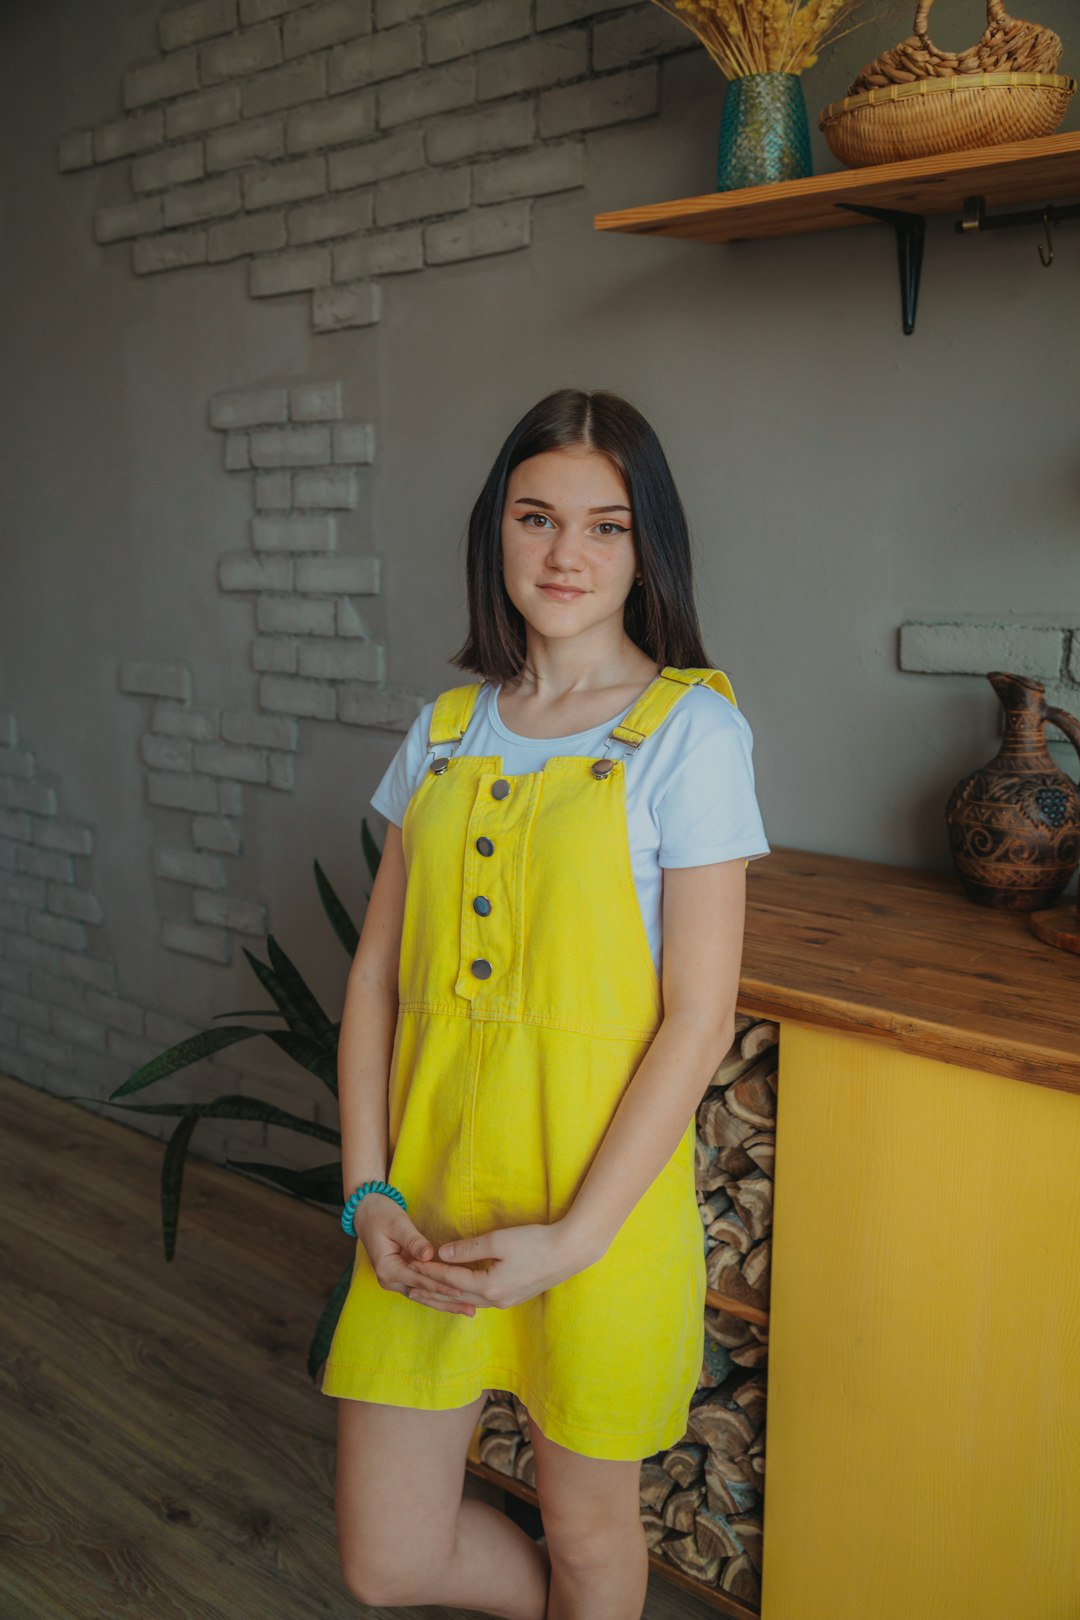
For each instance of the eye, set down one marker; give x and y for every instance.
(525, 520)
(609, 523)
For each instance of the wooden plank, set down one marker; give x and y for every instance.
(165, 1455)
(903, 955)
(924, 1359)
(1037, 171)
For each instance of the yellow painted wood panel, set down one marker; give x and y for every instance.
(923, 1442)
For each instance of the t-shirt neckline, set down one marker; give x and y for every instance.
(503, 730)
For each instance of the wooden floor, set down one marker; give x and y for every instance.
(163, 1453)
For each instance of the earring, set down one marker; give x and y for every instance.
(639, 579)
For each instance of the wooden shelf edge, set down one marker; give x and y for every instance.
(1012, 172)
(660, 1566)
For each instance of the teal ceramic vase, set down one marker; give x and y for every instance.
(764, 132)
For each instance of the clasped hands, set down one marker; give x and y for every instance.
(503, 1267)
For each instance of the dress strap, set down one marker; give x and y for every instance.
(656, 702)
(453, 711)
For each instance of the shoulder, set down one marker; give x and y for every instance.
(702, 716)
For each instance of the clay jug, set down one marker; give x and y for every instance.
(1014, 824)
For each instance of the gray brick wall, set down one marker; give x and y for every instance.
(398, 135)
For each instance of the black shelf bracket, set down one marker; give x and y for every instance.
(910, 240)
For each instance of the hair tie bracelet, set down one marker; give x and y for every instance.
(361, 1192)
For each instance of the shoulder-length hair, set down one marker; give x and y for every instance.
(659, 615)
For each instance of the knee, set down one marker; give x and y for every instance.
(584, 1541)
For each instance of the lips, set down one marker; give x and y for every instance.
(562, 593)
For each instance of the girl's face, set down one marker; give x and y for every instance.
(567, 523)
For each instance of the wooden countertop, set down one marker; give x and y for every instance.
(901, 954)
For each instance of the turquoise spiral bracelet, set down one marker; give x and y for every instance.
(361, 1192)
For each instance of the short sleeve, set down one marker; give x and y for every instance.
(708, 809)
(393, 793)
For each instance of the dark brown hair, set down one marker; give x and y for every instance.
(660, 615)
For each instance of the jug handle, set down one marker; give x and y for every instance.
(1065, 722)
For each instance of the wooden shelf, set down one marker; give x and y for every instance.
(1021, 171)
(898, 194)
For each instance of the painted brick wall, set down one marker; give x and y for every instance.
(331, 145)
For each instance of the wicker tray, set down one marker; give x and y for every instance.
(918, 101)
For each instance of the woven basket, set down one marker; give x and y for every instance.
(918, 101)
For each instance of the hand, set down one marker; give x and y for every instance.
(391, 1239)
(506, 1266)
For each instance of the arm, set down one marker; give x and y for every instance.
(704, 918)
(368, 1023)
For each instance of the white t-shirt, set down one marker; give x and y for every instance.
(690, 796)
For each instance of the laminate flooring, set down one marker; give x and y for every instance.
(163, 1452)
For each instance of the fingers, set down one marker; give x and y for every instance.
(439, 1302)
(465, 1281)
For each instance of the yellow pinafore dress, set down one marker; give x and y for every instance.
(527, 998)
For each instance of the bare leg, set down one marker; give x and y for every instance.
(406, 1535)
(592, 1521)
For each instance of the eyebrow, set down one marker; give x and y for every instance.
(530, 500)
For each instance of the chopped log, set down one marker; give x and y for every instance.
(657, 1484)
(498, 1450)
(748, 1527)
(751, 1097)
(730, 1230)
(751, 1397)
(525, 1464)
(719, 1127)
(654, 1527)
(684, 1462)
(743, 1022)
(752, 1197)
(729, 1496)
(751, 1356)
(740, 1579)
(499, 1414)
(683, 1553)
(681, 1506)
(754, 1040)
(744, 1278)
(715, 1534)
(726, 1430)
(522, 1414)
(761, 1150)
(727, 1329)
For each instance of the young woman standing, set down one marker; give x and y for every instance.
(544, 986)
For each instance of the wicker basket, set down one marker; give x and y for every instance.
(918, 101)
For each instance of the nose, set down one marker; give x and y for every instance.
(565, 552)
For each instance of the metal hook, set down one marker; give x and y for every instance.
(1047, 259)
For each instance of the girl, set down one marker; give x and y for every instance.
(544, 987)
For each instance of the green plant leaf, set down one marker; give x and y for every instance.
(319, 1060)
(191, 1050)
(172, 1175)
(340, 921)
(328, 1321)
(321, 1183)
(372, 852)
(290, 1009)
(234, 1106)
(252, 1012)
(302, 998)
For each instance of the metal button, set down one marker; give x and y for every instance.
(603, 767)
(438, 766)
(482, 905)
(482, 968)
(485, 846)
(500, 789)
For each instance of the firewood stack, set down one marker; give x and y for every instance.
(702, 1499)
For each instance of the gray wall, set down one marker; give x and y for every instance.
(842, 481)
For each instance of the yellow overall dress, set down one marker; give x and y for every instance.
(527, 998)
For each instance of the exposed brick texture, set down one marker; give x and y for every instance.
(386, 135)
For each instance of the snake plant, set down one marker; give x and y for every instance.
(307, 1035)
